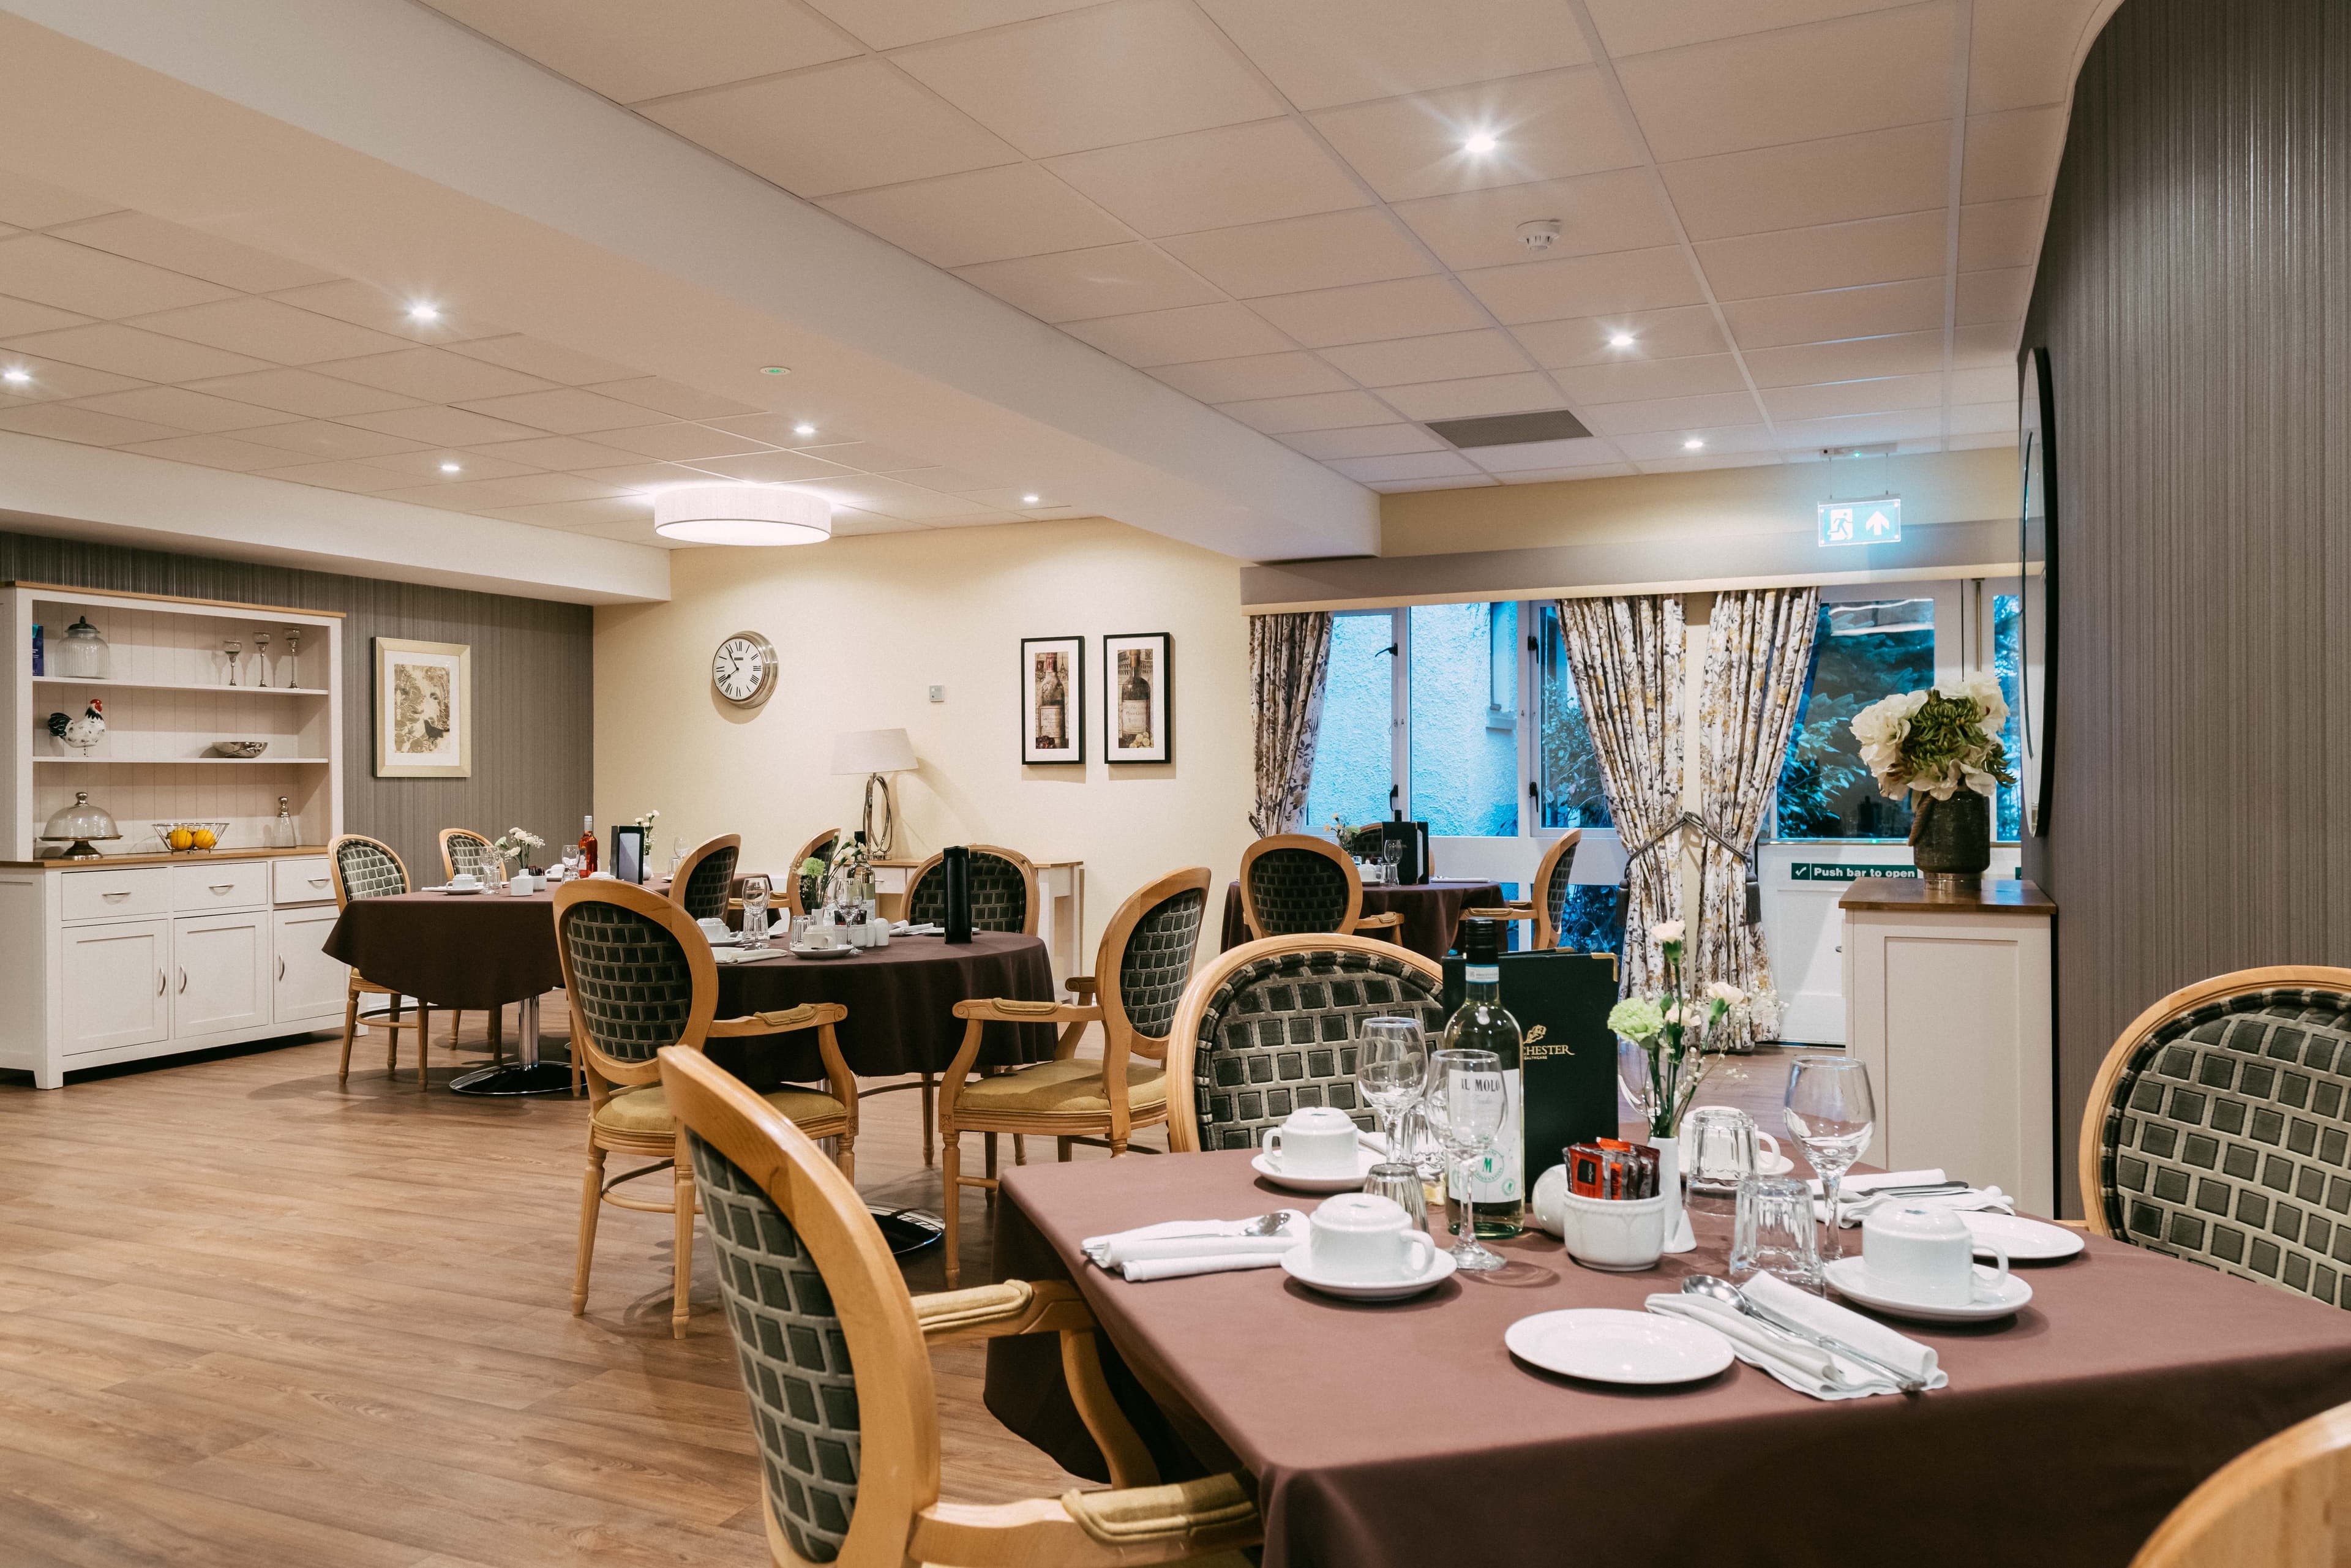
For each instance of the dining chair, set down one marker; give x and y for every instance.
(1295, 883)
(806, 893)
(705, 877)
(2282, 1503)
(463, 850)
(367, 868)
(1139, 974)
(640, 980)
(1271, 1026)
(1003, 890)
(835, 1359)
(2213, 1129)
(1547, 902)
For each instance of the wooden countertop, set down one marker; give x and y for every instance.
(192, 857)
(1912, 895)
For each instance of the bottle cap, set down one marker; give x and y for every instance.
(1481, 941)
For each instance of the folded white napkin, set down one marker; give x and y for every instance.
(1177, 1248)
(1857, 1196)
(745, 954)
(1803, 1366)
(926, 929)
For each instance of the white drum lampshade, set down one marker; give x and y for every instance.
(872, 751)
(742, 515)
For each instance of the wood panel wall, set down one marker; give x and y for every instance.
(2194, 296)
(534, 713)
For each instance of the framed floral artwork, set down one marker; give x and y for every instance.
(424, 709)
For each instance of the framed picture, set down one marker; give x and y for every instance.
(424, 709)
(1138, 697)
(1052, 700)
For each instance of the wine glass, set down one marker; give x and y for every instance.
(755, 912)
(1830, 1113)
(1391, 856)
(236, 651)
(1390, 1067)
(1466, 1106)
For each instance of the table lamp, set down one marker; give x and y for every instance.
(875, 753)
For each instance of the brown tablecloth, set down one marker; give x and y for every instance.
(1402, 1435)
(1431, 911)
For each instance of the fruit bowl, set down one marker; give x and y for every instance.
(248, 749)
(191, 838)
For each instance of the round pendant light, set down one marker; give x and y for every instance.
(742, 515)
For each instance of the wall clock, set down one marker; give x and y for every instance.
(743, 671)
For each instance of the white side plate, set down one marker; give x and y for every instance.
(1272, 1172)
(1603, 1344)
(2025, 1240)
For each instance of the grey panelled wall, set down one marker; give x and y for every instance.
(2193, 295)
(534, 713)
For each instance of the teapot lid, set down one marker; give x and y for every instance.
(1939, 1222)
(82, 629)
(1359, 1211)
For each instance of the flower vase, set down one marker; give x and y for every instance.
(1679, 1237)
(1950, 842)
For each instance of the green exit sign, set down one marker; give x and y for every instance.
(1840, 870)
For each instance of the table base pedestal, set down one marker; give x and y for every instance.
(526, 1075)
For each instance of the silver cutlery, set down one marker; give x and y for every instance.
(1725, 1291)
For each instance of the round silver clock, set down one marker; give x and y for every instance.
(743, 669)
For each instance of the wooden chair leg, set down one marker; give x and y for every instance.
(592, 1205)
(391, 1038)
(683, 1281)
(456, 1028)
(1061, 1148)
(1117, 1147)
(424, 1039)
(350, 1033)
(845, 1155)
(1020, 1149)
(930, 1114)
(951, 1174)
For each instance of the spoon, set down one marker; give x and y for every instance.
(1731, 1295)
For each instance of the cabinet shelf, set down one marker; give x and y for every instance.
(178, 686)
(181, 761)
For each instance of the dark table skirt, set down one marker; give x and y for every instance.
(1431, 911)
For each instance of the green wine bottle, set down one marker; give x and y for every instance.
(1499, 1187)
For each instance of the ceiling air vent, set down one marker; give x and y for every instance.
(1511, 429)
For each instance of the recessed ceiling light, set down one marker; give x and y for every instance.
(1030, 500)
(423, 311)
(1479, 144)
(16, 374)
(451, 468)
(775, 370)
(1692, 445)
(804, 430)
(1620, 339)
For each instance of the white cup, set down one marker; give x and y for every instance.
(464, 879)
(1619, 1235)
(1316, 1141)
(818, 933)
(1927, 1255)
(1364, 1239)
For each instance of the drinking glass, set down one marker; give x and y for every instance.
(1400, 1182)
(1773, 1232)
(1830, 1113)
(1466, 1105)
(1721, 1146)
(755, 912)
(1390, 1067)
(1633, 1079)
(1391, 856)
(570, 862)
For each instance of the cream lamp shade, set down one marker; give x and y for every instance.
(742, 515)
(872, 751)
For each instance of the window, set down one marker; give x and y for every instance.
(1354, 759)
(1463, 681)
(1863, 652)
(2008, 664)
(1567, 770)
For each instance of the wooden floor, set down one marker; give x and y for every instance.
(250, 1318)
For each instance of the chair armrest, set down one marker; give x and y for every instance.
(1082, 987)
(808, 1015)
(993, 1312)
(1512, 912)
(1004, 1009)
(1375, 922)
(1081, 1530)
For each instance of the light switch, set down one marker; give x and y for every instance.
(938, 694)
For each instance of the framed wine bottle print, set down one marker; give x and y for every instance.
(1052, 700)
(1138, 700)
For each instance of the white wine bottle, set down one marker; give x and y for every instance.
(1499, 1185)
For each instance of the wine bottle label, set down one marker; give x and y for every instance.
(1481, 974)
(1500, 1174)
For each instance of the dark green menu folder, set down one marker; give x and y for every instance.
(1569, 1058)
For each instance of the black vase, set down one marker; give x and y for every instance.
(956, 862)
(1950, 841)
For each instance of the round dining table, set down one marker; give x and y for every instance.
(1431, 911)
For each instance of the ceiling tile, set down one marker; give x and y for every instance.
(1214, 178)
(1010, 501)
(1915, 305)
(1096, 78)
(611, 517)
(1074, 284)
(64, 421)
(1969, 442)
(1221, 331)
(1853, 430)
(270, 330)
(2002, 234)
(305, 392)
(1363, 441)
(30, 205)
(2025, 51)
(1558, 475)
(1330, 251)
(213, 451)
(323, 439)
(1257, 376)
(1999, 295)
(1833, 255)
(775, 467)
(665, 396)
(1677, 333)
(1984, 418)
(1987, 343)
(896, 498)
(359, 478)
(1833, 79)
(618, 49)
(1411, 307)
(837, 127)
(1900, 354)
(983, 214)
(1637, 380)
(1528, 455)
(424, 465)
(1326, 52)
(1324, 411)
(1409, 465)
(770, 430)
(1678, 414)
(1635, 26)
(681, 443)
(1587, 284)
(75, 278)
(1475, 397)
(440, 426)
(1548, 126)
(889, 24)
(546, 361)
(1444, 357)
(863, 456)
(522, 490)
(19, 317)
(561, 452)
(1835, 179)
(1620, 210)
(53, 380)
(1984, 385)
(195, 411)
(432, 375)
(1398, 487)
(1690, 465)
(646, 475)
(127, 351)
(567, 411)
(1883, 396)
(2009, 155)
(934, 476)
(191, 251)
(1671, 443)
(365, 305)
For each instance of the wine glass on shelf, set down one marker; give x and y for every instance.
(1830, 1113)
(236, 651)
(261, 656)
(1466, 1106)
(1390, 1067)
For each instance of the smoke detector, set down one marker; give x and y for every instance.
(1538, 234)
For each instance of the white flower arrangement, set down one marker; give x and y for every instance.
(1673, 1032)
(514, 840)
(1935, 744)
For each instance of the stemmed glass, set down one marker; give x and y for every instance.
(1390, 1067)
(1391, 856)
(236, 651)
(1465, 1103)
(755, 912)
(261, 656)
(1830, 1113)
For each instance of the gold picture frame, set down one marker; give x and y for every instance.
(424, 709)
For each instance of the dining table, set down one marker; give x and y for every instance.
(1431, 911)
(1401, 1433)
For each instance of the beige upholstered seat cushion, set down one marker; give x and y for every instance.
(1066, 1088)
(644, 1113)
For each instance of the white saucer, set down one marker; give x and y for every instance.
(824, 951)
(2025, 1240)
(1769, 1163)
(1603, 1344)
(1852, 1278)
(461, 892)
(1364, 1161)
(1295, 1263)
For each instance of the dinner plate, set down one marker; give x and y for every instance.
(824, 951)
(1365, 1160)
(1605, 1344)
(2025, 1240)
(1852, 1278)
(461, 892)
(1298, 1264)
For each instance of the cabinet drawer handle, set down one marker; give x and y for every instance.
(223, 887)
(281, 965)
(183, 982)
(119, 893)
(318, 881)
(161, 980)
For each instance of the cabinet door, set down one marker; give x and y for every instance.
(309, 984)
(117, 983)
(220, 973)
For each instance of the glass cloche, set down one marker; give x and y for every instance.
(80, 826)
(82, 653)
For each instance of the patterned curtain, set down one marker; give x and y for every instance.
(1627, 657)
(1759, 650)
(1290, 658)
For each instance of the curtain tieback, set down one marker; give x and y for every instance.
(1687, 819)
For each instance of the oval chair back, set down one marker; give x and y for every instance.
(705, 876)
(1003, 890)
(2281, 1503)
(639, 977)
(365, 868)
(1145, 963)
(463, 850)
(1293, 884)
(806, 893)
(2213, 1130)
(1271, 1026)
(1551, 888)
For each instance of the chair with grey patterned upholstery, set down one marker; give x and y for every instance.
(1292, 883)
(705, 877)
(835, 1363)
(1548, 906)
(2214, 1130)
(805, 894)
(1271, 1026)
(640, 980)
(367, 868)
(1003, 890)
(463, 850)
(1140, 967)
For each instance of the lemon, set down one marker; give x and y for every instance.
(203, 839)
(180, 839)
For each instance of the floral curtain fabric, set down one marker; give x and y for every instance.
(1290, 658)
(1627, 657)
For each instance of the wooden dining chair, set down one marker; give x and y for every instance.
(805, 895)
(463, 850)
(1295, 883)
(2214, 1131)
(640, 980)
(705, 877)
(1270, 1027)
(835, 1361)
(2284, 1503)
(1546, 904)
(362, 867)
(1003, 890)
(1139, 974)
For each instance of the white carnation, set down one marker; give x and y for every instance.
(1665, 931)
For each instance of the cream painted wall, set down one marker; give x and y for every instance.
(865, 625)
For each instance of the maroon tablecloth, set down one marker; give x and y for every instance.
(1431, 911)
(1403, 1435)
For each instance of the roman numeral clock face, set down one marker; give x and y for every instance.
(743, 669)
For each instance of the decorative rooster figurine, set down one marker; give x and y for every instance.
(84, 732)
